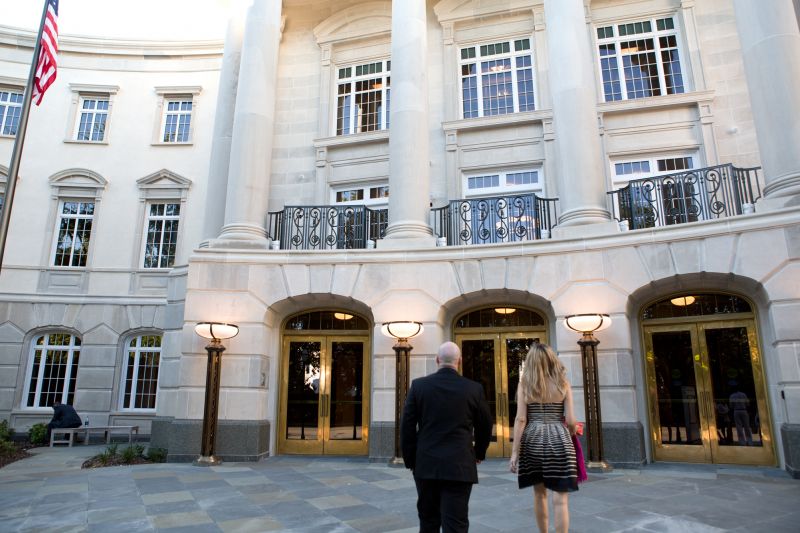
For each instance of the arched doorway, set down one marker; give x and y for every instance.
(325, 375)
(706, 381)
(494, 342)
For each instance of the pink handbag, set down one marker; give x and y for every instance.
(582, 476)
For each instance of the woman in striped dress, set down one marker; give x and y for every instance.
(543, 455)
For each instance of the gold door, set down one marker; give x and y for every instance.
(494, 360)
(324, 406)
(707, 395)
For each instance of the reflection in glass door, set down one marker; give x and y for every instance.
(707, 393)
(494, 360)
(324, 406)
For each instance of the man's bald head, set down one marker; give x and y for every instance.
(449, 355)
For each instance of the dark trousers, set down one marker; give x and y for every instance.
(443, 504)
(58, 425)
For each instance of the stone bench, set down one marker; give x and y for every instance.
(68, 434)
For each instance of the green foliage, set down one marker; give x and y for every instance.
(38, 433)
(105, 457)
(7, 448)
(157, 455)
(112, 450)
(5, 431)
(130, 454)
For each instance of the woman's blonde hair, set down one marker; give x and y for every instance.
(542, 374)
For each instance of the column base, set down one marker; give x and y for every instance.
(409, 233)
(207, 460)
(241, 236)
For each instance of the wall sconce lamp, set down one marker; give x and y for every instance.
(401, 331)
(587, 324)
(215, 332)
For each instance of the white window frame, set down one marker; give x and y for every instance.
(503, 188)
(84, 92)
(95, 113)
(347, 76)
(513, 55)
(137, 351)
(77, 217)
(72, 349)
(622, 180)
(168, 95)
(655, 34)
(76, 184)
(162, 187)
(162, 219)
(372, 203)
(11, 98)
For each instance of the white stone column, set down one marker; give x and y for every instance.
(771, 48)
(580, 162)
(253, 129)
(409, 136)
(219, 163)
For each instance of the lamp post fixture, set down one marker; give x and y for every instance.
(587, 324)
(401, 331)
(215, 332)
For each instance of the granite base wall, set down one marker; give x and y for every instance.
(790, 437)
(623, 444)
(237, 440)
(381, 441)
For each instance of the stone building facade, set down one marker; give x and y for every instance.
(486, 168)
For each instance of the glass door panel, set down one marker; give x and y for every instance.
(494, 360)
(516, 349)
(323, 405)
(480, 362)
(301, 430)
(707, 394)
(345, 409)
(736, 386)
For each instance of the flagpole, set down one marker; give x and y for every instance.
(19, 140)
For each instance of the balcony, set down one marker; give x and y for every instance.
(512, 218)
(701, 194)
(327, 227)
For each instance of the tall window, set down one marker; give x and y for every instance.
(141, 372)
(362, 101)
(92, 122)
(625, 171)
(177, 120)
(74, 231)
(162, 235)
(54, 369)
(640, 59)
(497, 78)
(10, 110)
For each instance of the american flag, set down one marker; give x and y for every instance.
(46, 64)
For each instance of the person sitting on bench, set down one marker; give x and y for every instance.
(64, 416)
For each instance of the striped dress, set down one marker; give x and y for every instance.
(546, 452)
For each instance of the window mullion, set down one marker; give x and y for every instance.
(68, 371)
(479, 84)
(40, 373)
(662, 78)
(514, 86)
(135, 373)
(623, 79)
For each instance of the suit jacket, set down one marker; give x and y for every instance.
(64, 416)
(443, 413)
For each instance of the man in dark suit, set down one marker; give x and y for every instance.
(64, 416)
(443, 415)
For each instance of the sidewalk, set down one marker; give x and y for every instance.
(50, 492)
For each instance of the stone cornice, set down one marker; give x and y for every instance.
(95, 45)
(655, 102)
(511, 119)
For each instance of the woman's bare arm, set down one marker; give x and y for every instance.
(519, 426)
(569, 411)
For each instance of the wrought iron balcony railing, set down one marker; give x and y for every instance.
(523, 217)
(700, 194)
(326, 227)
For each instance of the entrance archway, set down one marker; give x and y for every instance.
(325, 376)
(494, 342)
(705, 380)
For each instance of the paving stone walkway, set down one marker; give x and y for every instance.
(49, 492)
